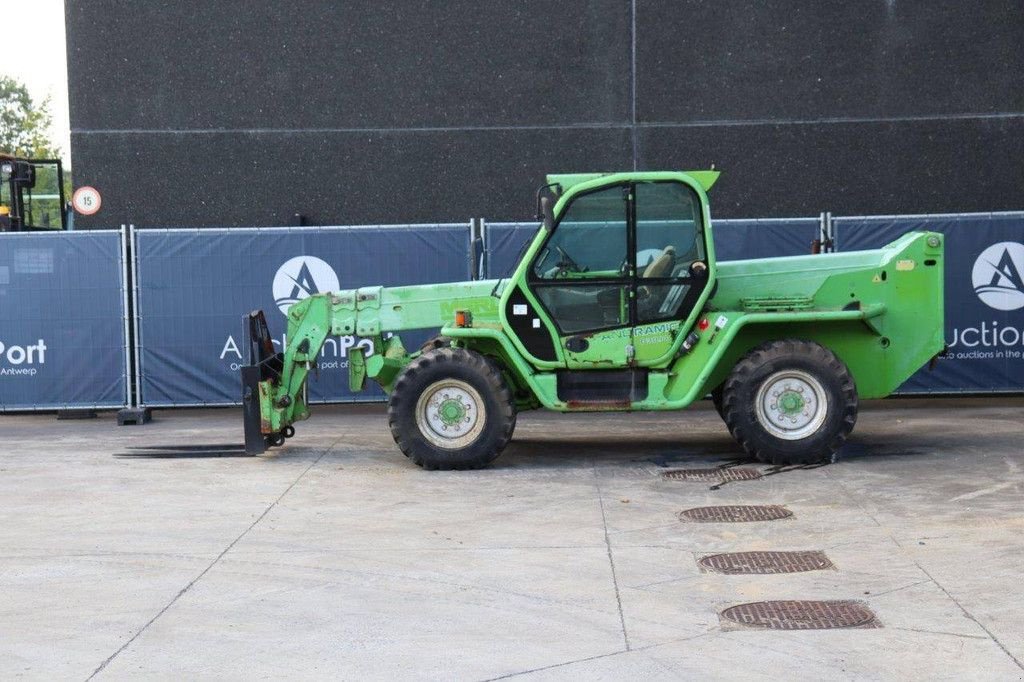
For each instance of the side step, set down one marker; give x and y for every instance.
(602, 389)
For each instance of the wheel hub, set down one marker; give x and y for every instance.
(451, 411)
(449, 414)
(791, 404)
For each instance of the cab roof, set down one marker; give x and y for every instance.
(705, 178)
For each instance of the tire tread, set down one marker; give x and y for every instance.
(404, 397)
(743, 425)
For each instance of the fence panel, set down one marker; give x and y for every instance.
(194, 286)
(744, 238)
(503, 245)
(63, 335)
(984, 295)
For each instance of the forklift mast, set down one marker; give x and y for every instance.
(31, 195)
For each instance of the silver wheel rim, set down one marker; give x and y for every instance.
(450, 414)
(791, 404)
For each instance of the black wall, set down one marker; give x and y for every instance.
(247, 112)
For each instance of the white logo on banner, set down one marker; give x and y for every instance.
(997, 276)
(19, 360)
(300, 278)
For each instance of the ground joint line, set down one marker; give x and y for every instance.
(921, 568)
(213, 563)
(970, 616)
(611, 560)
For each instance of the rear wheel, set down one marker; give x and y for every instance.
(790, 402)
(451, 409)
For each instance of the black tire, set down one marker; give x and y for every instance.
(435, 342)
(781, 432)
(716, 399)
(462, 373)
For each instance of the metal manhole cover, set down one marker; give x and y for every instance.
(713, 475)
(763, 563)
(735, 513)
(802, 615)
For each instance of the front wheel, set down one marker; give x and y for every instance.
(790, 402)
(716, 399)
(451, 409)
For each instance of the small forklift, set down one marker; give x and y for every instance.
(619, 304)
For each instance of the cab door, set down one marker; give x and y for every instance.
(672, 266)
(621, 273)
(582, 277)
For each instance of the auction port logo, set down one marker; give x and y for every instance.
(996, 276)
(20, 360)
(301, 277)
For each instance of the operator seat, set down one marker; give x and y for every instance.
(651, 298)
(662, 265)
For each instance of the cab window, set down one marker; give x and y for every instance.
(669, 240)
(43, 201)
(581, 274)
(589, 241)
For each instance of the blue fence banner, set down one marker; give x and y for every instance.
(504, 243)
(984, 295)
(737, 239)
(742, 239)
(194, 286)
(63, 320)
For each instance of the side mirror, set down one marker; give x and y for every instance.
(546, 196)
(547, 212)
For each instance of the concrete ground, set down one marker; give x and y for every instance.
(334, 557)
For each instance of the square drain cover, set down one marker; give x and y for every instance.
(735, 513)
(764, 563)
(802, 615)
(716, 475)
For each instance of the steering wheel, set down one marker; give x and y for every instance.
(567, 261)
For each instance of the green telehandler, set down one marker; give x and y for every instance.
(618, 304)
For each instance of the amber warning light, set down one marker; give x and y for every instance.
(463, 318)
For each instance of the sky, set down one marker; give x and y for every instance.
(41, 62)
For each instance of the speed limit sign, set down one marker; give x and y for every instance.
(86, 200)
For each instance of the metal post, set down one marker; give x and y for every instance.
(135, 307)
(472, 248)
(126, 314)
(820, 245)
(135, 413)
(484, 255)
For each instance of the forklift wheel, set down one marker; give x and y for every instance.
(451, 409)
(435, 342)
(716, 400)
(790, 402)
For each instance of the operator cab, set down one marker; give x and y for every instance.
(31, 195)
(617, 278)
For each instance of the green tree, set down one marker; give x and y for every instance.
(25, 124)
